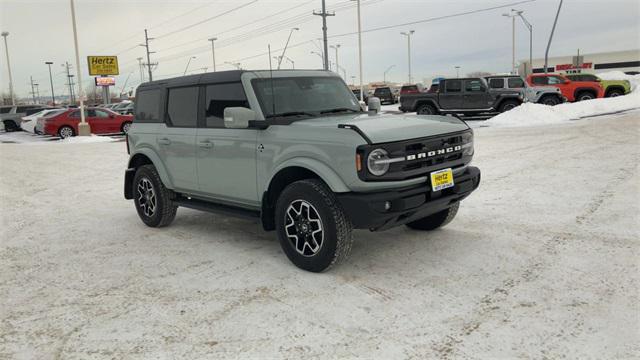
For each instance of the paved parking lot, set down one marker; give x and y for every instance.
(541, 262)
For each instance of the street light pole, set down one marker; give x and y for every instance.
(213, 52)
(53, 97)
(83, 128)
(408, 35)
(321, 57)
(530, 27)
(385, 73)
(287, 44)
(513, 41)
(6, 48)
(553, 29)
(188, 62)
(360, 51)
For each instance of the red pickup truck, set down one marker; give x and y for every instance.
(572, 90)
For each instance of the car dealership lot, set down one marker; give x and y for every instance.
(542, 262)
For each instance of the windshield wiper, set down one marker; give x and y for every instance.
(290, 113)
(338, 110)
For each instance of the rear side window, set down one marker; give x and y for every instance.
(182, 107)
(496, 83)
(219, 97)
(515, 83)
(453, 85)
(539, 80)
(148, 106)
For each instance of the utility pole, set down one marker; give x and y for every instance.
(530, 27)
(84, 128)
(213, 52)
(141, 67)
(6, 48)
(33, 92)
(146, 46)
(546, 53)
(69, 82)
(336, 47)
(324, 15)
(408, 35)
(53, 97)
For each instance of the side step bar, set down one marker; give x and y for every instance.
(217, 208)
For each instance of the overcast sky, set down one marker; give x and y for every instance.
(41, 31)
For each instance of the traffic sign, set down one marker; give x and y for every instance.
(103, 65)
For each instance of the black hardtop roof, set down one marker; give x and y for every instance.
(205, 78)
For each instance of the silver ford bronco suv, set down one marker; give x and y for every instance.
(294, 149)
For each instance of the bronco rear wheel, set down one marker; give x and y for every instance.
(151, 198)
(314, 231)
(436, 220)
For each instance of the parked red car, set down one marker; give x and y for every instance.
(101, 121)
(572, 90)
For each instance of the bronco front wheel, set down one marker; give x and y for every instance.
(314, 231)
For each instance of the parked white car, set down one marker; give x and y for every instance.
(28, 123)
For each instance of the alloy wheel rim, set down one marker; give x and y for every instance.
(125, 128)
(146, 197)
(303, 228)
(66, 132)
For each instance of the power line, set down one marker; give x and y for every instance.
(434, 18)
(206, 20)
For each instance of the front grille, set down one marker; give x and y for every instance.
(423, 162)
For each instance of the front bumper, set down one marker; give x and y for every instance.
(367, 210)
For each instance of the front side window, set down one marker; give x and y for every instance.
(539, 80)
(219, 97)
(555, 80)
(182, 107)
(496, 83)
(147, 107)
(304, 96)
(453, 86)
(473, 86)
(515, 83)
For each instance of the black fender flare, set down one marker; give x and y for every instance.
(421, 102)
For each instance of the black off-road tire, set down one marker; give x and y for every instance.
(508, 105)
(436, 220)
(164, 210)
(336, 227)
(614, 93)
(426, 109)
(585, 95)
(550, 100)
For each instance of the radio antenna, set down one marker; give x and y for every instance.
(273, 95)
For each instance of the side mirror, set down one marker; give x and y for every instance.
(374, 105)
(238, 117)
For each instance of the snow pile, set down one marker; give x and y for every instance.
(86, 139)
(72, 140)
(529, 114)
(619, 75)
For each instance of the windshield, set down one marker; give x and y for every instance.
(299, 96)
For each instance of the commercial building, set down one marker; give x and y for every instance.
(625, 61)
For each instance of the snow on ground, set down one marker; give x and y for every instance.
(529, 114)
(541, 262)
(23, 137)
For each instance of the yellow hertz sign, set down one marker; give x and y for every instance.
(103, 65)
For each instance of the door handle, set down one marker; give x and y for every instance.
(164, 141)
(205, 144)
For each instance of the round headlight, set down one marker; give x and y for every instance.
(376, 162)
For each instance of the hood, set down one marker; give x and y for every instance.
(389, 128)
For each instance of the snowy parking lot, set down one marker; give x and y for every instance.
(541, 262)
